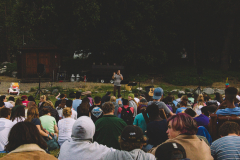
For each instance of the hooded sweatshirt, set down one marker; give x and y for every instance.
(136, 154)
(80, 145)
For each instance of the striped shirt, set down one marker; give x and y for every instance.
(227, 147)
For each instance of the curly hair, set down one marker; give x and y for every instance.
(67, 112)
(228, 128)
(48, 103)
(108, 107)
(129, 146)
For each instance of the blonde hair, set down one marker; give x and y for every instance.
(113, 99)
(200, 100)
(48, 103)
(43, 97)
(67, 112)
(32, 113)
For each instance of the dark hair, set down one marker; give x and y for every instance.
(212, 108)
(169, 98)
(63, 103)
(231, 93)
(153, 111)
(5, 112)
(218, 97)
(18, 102)
(184, 101)
(2, 98)
(180, 95)
(69, 103)
(206, 97)
(125, 101)
(184, 123)
(19, 112)
(228, 128)
(108, 107)
(84, 106)
(190, 112)
(2, 104)
(85, 100)
(31, 98)
(119, 95)
(204, 110)
(62, 96)
(108, 93)
(97, 99)
(24, 133)
(45, 111)
(78, 95)
(11, 98)
(135, 94)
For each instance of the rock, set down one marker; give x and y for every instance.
(181, 92)
(55, 91)
(139, 88)
(221, 91)
(208, 90)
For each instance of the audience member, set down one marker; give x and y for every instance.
(157, 127)
(83, 109)
(88, 95)
(19, 115)
(17, 104)
(182, 129)
(43, 99)
(218, 97)
(158, 93)
(30, 104)
(202, 119)
(171, 151)
(131, 141)
(25, 143)
(106, 98)
(126, 112)
(228, 146)
(7, 104)
(136, 98)
(11, 100)
(5, 127)
(179, 97)
(65, 126)
(31, 98)
(77, 101)
(183, 105)
(140, 121)
(230, 94)
(96, 110)
(74, 113)
(197, 107)
(81, 145)
(48, 122)
(109, 127)
(24, 100)
(119, 98)
(190, 98)
(132, 103)
(202, 131)
(54, 113)
(58, 102)
(190, 112)
(169, 102)
(206, 98)
(60, 108)
(143, 102)
(2, 105)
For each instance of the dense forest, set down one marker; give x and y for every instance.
(139, 34)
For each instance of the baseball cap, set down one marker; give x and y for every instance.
(170, 150)
(158, 92)
(143, 100)
(24, 97)
(132, 134)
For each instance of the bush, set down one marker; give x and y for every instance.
(10, 68)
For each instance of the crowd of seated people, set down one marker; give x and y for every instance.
(111, 128)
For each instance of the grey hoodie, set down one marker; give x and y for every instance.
(136, 154)
(80, 146)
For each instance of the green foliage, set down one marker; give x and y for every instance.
(10, 68)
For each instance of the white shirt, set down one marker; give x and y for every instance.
(136, 99)
(74, 114)
(18, 119)
(65, 129)
(8, 105)
(5, 127)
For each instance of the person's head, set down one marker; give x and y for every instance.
(18, 102)
(132, 137)
(212, 108)
(46, 111)
(143, 101)
(229, 127)
(218, 97)
(200, 99)
(19, 112)
(136, 95)
(230, 94)
(108, 93)
(63, 103)
(97, 100)
(119, 96)
(184, 101)
(170, 151)
(118, 71)
(69, 103)
(48, 103)
(180, 95)
(24, 133)
(3, 98)
(169, 99)
(181, 123)
(158, 93)
(141, 96)
(84, 106)
(2, 104)
(83, 129)
(125, 101)
(11, 99)
(43, 98)
(205, 111)
(67, 112)
(153, 111)
(5, 113)
(206, 97)
(108, 108)
(30, 104)
(24, 98)
(190, 112)
(31, 98)
(78, 95)
(85, 100)
(189, 95)
(113, 99)
(62, 96)
(130, 96)
(32, 113)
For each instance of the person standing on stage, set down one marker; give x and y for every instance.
(117, 82)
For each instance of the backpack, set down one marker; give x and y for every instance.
(127, 115)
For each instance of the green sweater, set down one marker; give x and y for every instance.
(108, 129)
